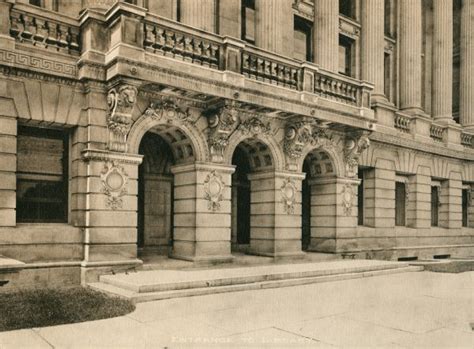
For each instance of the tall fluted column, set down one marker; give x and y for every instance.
(274, 30)
(372, 43)
(442, 75)
(199, 13)
(466, 88)
(326, 34)
(410, 55)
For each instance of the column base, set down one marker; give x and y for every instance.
(91, 271)
(204, 260)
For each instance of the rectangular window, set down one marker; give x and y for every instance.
(360, 199)
(345, 55)
(41, 175)
(400, 204)
(36, 3)
(347, 8)
(302, 39)
(386, 73)
(465, 207)
(435, 190)
(248, 21)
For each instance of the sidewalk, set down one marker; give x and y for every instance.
(409, 310)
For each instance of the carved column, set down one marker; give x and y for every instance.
(410, 55)
(199, 13)
(274, 30)
(442, 91)
(466, 88)
(326, 34)
(372, 43)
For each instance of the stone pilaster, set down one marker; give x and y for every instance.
(164, 8)
(410, 55)
(333, 214)
(274, 30)
(275, 214)
(450, 211)
(230, 18)
(442, 65)
(199, 13)
(202, 212)
(466, 88)
(419, 199)
(326, 34)
(372, 42)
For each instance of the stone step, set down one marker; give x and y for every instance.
(162, 284)
(137, 297)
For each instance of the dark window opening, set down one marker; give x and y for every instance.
(465, 207)
(347, 8)
(400, 204)
(441, 256)
(387, 18)
(36, 3)
(345, 55)
(302, 39)
(42, 186)
(306, 207)
(360, 199)
(434, 206)
(407, 259)
(248, 21)
(386, 77)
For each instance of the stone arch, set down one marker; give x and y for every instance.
(333, 157)
(186, 142)
(253, 144)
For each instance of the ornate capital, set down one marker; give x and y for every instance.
(170, 109)
(120, 101)
(354, 145)
(223, 121)
(300, 132)
(114, 184)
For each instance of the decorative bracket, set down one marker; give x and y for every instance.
(354, 145)
(213, 187)
(120, 102)
(114, 184)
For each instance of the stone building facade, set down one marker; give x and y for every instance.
(196, 128)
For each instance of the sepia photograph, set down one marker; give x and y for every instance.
(236, 174)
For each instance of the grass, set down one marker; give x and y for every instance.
(48, 307)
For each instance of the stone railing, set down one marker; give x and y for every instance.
(336, 88)
(44, 29)
(257, 66)
(181, 44)
(437, 132)
(402, 123)
(467, 139)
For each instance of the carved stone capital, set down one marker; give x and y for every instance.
(354, 145)
(120, 101)
(223, 120)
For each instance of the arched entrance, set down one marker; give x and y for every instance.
(319, 209)
(251, 156)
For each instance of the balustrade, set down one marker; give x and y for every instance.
(402, 123)
(437, 132)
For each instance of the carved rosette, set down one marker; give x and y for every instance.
(353, 148)
(120, 102)
(254, 126)
(347, 198)
(288, 195)
(114, 184)
(170, 109)
(213, 187)
(222, 121)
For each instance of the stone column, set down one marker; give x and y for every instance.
(274, 29)
(372, 43)
(466, 88)
(230, 18)
(199, 13)
(164, 8)
(410, 55)
(275, 214)
(202, 212)
(333, 214)
(442, 75)
(326, 34)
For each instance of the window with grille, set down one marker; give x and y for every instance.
(41, 175)
(400, 204)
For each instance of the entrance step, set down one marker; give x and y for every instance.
(152, 285)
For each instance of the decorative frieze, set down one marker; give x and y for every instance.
(120, 102)
(169, 108)
(254, 126)
(288, 193)
(213, 187)
(114, 184)
(354, 145)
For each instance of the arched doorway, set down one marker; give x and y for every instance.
(319, 210)
(250, 156)
(162, 147)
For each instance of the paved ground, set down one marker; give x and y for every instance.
(409, 310)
